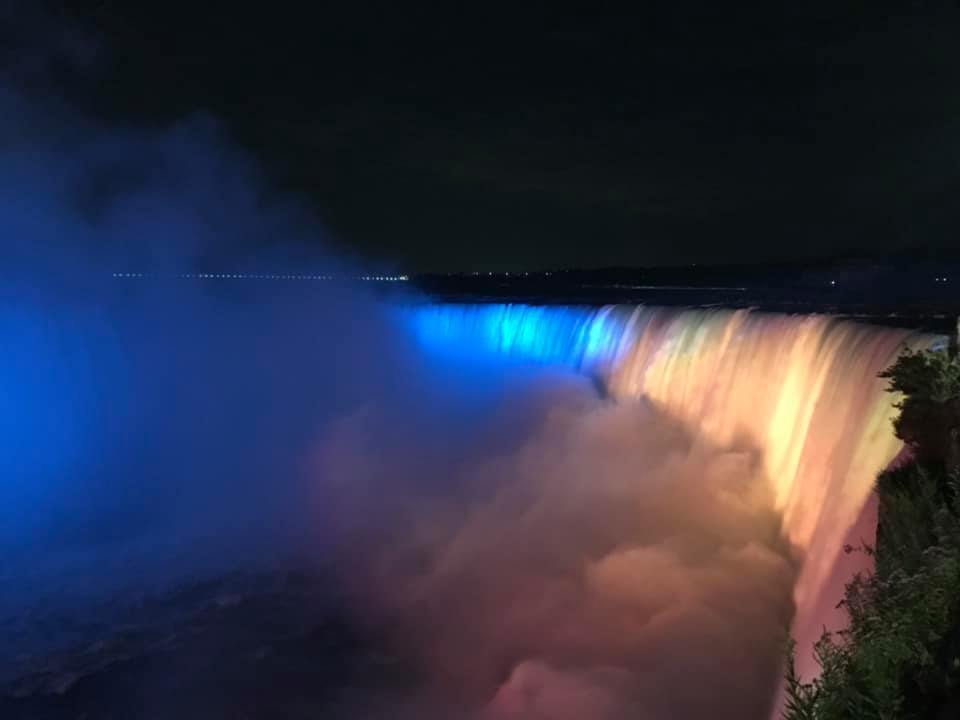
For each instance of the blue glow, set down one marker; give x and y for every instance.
(48, 407)
(576, 337)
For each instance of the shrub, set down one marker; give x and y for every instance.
(899, 658)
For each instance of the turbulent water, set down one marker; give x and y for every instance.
(803, 390)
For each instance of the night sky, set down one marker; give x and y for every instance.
(448, 138)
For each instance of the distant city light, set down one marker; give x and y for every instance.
(252, 276)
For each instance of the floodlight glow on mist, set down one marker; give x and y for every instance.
(535, 548)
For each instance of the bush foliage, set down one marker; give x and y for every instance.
(899, 658)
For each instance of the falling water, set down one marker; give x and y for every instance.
(802, 389)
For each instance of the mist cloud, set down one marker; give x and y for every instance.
(536, 551)
(607, 566)
(139, 420)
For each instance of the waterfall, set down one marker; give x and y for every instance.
(802, 390)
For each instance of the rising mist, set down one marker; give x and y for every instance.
(532, 549)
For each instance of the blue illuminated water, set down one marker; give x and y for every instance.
(582, 338)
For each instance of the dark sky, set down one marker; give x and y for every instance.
(452, 137)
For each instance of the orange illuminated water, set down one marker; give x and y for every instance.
(801, 391)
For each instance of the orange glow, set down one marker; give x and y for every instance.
(802, 390)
